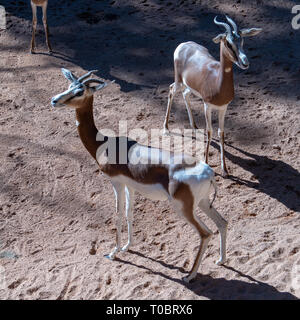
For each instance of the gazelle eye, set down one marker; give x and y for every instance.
(78, 94)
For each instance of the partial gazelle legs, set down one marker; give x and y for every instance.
(122, 192)
(119, 190)
(207, 111)
(34, 24)
(209, 131)
(172, 91)
(186, 95)
(129, 194)
(221, 224)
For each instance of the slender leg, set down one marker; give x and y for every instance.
(204, 232)
(46, 26)
(129, 193)
(120, 197)
(172, 92)
(205, 235)
(221, 224)
(221, 139)
(186, 97)
(209, 129)
(34, 23)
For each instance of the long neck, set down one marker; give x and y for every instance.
(87, 130)
(226, 73)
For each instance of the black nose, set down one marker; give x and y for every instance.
(54, 102)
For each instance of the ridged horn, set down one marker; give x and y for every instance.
(88, 81)
(235, 28)
(86, 75)
(223, 24)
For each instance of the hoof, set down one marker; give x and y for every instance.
(225, 174)
(125, 249)
(166, 132)
(220, 262)
(32, 51)
(188, 279)
(109, 256)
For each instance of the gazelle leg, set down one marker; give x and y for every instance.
(129, 193)
(120, 197)
(186, 97)
(172, 92)
(209, 129)
(221, 139)
(221, 224)
(205, 235)
(187, 211)
(46, 26)
(34, 23)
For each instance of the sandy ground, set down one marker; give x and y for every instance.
(57, 210)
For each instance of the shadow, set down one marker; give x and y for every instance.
(218, 288)
(134, 43)
(164, 264)
(276, 178)
(54, 54)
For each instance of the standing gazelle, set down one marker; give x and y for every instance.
(34, 5)
(156, 175)
(196, 71)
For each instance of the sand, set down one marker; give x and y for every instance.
(56, 209)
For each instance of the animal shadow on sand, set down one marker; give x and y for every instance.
(275, 178)
(218, 288)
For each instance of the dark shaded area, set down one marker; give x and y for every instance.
(220, 288)
(141, 42)
(275, 178)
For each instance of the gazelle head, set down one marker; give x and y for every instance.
(79, 91)
(233, 41)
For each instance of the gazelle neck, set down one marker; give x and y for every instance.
(226, 72)
(87, 130)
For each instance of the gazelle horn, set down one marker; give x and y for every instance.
(235, 28)
(88, 81)
(225, 25)
(86, 75)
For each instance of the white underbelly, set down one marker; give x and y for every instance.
(150, 191)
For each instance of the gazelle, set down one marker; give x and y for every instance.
(196, 71)
(185, 186)
(34, 5)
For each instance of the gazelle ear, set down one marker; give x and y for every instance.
(99, 87)
(68, 74)
(250, 32)
(218, 38)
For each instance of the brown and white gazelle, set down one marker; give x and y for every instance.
(185, 185)
(34, 5)
(196, 71)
